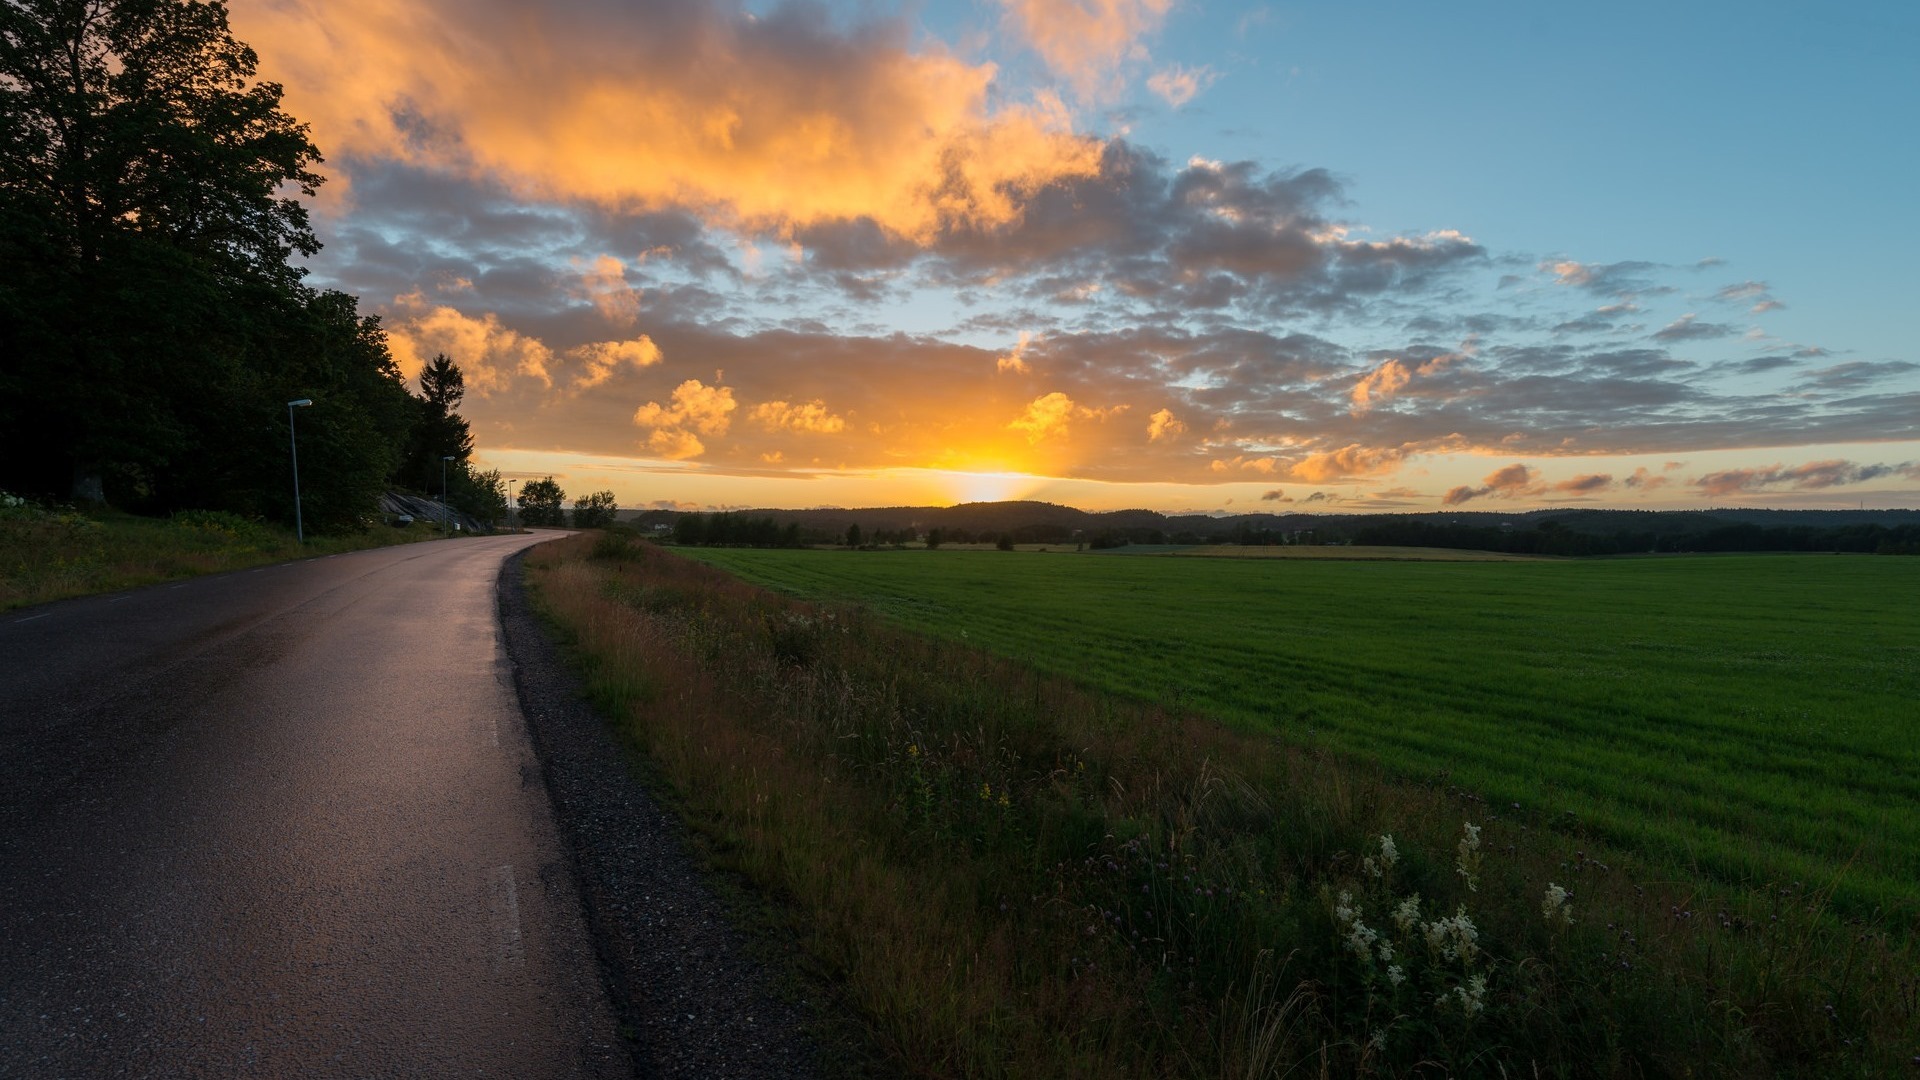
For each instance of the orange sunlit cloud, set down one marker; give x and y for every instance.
(1086, 41)
(715, 109)
(697, 409)
(490, 353)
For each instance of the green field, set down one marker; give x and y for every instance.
(1755, 719)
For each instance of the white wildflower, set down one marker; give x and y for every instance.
(1408, 913)
(1473, 996)
(1381, 865)
(1554, 906)
(1455, 938)
(1360, 939)
(1395, 975)
(1468, 863)
(1378, 1041)
(1343, 909)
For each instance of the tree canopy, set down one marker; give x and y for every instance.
(595, 511)
(152, 311)
(542, 502)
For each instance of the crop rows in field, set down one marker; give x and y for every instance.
(1754, 718)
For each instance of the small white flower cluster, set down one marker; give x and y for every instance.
(1554, 906)
(1454, 938)
(1359, 936)
(1407, 915)
(1382, 865)
(1467, 865)
(1472, 995)
(10, 501)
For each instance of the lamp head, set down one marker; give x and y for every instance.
(301, 403)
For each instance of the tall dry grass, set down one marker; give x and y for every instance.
(1012, 875)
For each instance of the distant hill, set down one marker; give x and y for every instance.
(1554, 531)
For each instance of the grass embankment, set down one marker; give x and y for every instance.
(1749, 719)
(1013, 875)
(50, 555)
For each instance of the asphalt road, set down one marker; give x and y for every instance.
(285, 822)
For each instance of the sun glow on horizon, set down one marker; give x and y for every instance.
(965, 486)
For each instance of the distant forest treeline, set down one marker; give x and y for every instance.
(1539, 532)
(153, 319)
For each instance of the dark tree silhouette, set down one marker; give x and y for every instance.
(543, 503)
(594, 511)
(438, 432)
(145, 238)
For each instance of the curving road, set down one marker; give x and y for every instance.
(285, 822)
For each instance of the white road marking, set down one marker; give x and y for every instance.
(503, 909)
(177, 587)
(30, 618)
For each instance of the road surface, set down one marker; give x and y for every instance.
(285, 822)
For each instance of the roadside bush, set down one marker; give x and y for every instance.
(226, 528)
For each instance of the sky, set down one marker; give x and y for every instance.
(1192, 257)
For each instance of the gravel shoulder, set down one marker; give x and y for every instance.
(684, 968)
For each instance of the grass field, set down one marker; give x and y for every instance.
(48, 555)
(1751, 719)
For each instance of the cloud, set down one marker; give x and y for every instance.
(1178, 85)
(489, 353)
(1379, 384)
(1209, 236)
(1346, 463)
(758, 120)
(1687, 328)
(1164, 425)
(1644, 480)
(1016, 361)
(604, 284)
(1812, 476)
(1047, 415)
(1514, 481)
(600, 359)
(1585, 484)
(1052, 414)
(1622, 279)
(1857, 375)
(1086, 42)
(811, 417)
(1756, 291)
(1276, 495)
(696, 408)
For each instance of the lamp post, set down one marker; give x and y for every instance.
(512, 518)
(447, 525)
(293, 443)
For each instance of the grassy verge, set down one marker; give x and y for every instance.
(48, 555)
(1014, 876)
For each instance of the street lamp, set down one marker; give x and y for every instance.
(293, 442)
(445, 526)
(512, 518)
